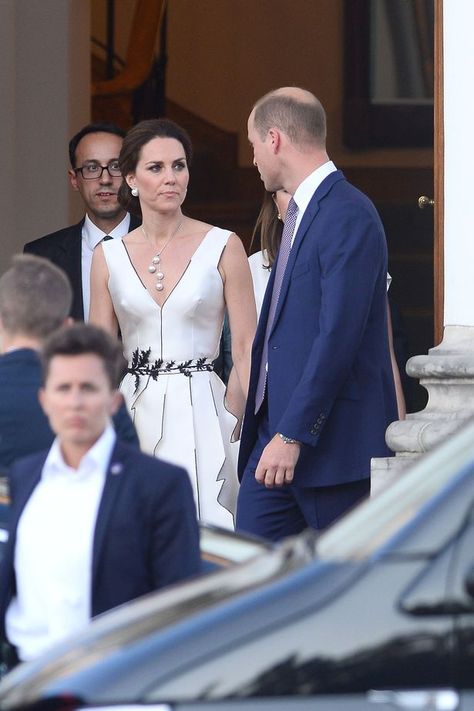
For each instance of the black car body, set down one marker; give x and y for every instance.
(378, 613)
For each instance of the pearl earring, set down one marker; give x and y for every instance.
(134, 192)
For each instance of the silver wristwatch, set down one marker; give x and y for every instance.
(287, 440)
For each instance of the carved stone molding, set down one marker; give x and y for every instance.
(447, 373)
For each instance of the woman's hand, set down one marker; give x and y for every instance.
(240, 302)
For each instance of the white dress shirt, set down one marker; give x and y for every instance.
(53, 550)
(91, 236)
(305, 190)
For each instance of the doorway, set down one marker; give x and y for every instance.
(391, 90)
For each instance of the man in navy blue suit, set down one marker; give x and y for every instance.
(321, 391)
(95, 523)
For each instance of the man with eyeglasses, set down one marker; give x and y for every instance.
(94, 173)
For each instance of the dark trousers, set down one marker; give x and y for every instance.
(284, 511)
(9, 658)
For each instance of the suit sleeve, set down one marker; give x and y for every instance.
(174, 550)
(30, 248)
(124, 427)
(41, 247)
(351, 252)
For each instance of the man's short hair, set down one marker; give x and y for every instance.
(100, 127)
(35, 297)
(84, 339)
(303, 121)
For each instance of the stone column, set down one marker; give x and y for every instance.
(447, 372)
(45, 80)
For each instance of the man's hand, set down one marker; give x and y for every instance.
(277, 463)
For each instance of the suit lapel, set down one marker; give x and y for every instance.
(30, 478)
(308, 217)
(69, 251)
(262, 321)
(113, 482)
(71, 247)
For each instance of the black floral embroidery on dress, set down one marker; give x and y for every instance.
(141, 366)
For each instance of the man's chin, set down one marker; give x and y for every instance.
(269, 185)
(80, 438)
(110, 213)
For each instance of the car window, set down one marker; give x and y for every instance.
(317, 654)
(440, 587)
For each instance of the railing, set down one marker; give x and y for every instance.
(142, 74)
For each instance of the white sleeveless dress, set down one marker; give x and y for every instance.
(175, 399)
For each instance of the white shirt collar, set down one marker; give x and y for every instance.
(92, 235)
(305, 190)
(97, 458)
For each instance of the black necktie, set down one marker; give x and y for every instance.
(107, 237)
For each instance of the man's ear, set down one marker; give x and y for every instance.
(274, 138)
(41, 399)
(73, 179)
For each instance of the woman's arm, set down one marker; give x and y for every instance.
(102, 311)
(240, 302)
(396, 373)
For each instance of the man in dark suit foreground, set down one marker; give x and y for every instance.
(95, 523)
(95, 175)
(35, 298)
(321, 390)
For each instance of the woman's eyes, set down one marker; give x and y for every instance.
(181, 165)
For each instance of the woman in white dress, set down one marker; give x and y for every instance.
(166, 286)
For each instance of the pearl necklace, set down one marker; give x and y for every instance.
(157, 258)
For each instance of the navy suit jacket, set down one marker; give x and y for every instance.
(146, 534)
(24, 428)
(64, 248)
(330, 383)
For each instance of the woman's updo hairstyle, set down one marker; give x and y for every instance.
(136, 138)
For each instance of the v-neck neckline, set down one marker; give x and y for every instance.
(193, 255)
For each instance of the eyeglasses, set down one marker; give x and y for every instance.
(93, 171)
